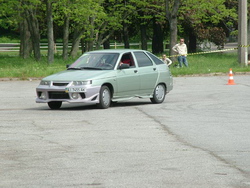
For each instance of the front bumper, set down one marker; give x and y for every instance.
(71, 94)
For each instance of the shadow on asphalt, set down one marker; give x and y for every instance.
(77, 107)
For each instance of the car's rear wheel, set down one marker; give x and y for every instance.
(159, 94)
(104, 97)
(55, 104)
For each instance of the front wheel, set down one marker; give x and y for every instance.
(104, 97)
(159, 94)
(55, 104)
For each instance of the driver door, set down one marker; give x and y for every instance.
(128, 81)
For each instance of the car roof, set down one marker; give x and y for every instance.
(116, 51)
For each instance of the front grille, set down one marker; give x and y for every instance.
(60, 84)
(58, 95)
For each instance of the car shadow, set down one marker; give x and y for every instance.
(77, 107)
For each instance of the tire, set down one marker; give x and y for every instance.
(159, 94)
(55, 104)
(104, 98)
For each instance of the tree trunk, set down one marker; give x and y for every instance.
(34, 31)
(173, 34)
(144, 45)
(157, 42)
(83, 45)
(98, 43)
(125, 36)
(105, 40)
(100, 36)
(90, 45)
(75, 43)
(25, 42)
(90, 42)
(65, 37)
(106, 44)
(51, 44)
(172, 7)
(192, 43)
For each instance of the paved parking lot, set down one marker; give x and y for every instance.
(199, 137)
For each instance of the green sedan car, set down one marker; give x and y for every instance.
(105, 76)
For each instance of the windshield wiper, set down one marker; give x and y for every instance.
(81, 68)
(91, 68)
(74, 68)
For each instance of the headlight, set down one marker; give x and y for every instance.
(47, 83)
(79, 83)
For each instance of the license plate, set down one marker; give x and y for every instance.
(72, 90)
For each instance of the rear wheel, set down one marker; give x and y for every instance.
(55, 104)
(159, 94)
(104, 97)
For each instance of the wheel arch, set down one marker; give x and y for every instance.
(163, 83)
(111, 88)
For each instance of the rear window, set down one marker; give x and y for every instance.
(142, 59)
(155, 59)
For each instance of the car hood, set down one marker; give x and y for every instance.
(79, 75)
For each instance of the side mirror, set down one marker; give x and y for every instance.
(124, 66)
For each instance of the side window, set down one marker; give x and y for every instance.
(155, 59)
(128, 59)
(142, 59)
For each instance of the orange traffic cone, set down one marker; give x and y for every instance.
(231, 78)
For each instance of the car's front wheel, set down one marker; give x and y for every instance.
(104, 98)
(55, 104)
(159, 94)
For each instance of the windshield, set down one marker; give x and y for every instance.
(96, 61)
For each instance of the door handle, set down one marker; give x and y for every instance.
(135, 71)
(154, 69)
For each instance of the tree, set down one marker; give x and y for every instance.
(172, 7)
(11, 17)
(25, 41)
(50, 33)
(210, 17)
(62, 10)
(144, 17)
(65, 37)
(83, 25)
(157, 40)
(82, 20)
(159, 20)
(125, 10)
(93, 23)
(30, 9)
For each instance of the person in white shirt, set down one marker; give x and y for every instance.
(181, 50)
(166, 60)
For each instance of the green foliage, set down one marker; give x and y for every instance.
(202, 16)
(8, 39)
(203, 11)
(213, 34)
(218, 37)
(8, 14)
(212, 64)
(100, 20)
(15, 67)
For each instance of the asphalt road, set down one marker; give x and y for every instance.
(198, 138)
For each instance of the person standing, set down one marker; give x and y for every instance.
(181, 50)
(166, 60)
